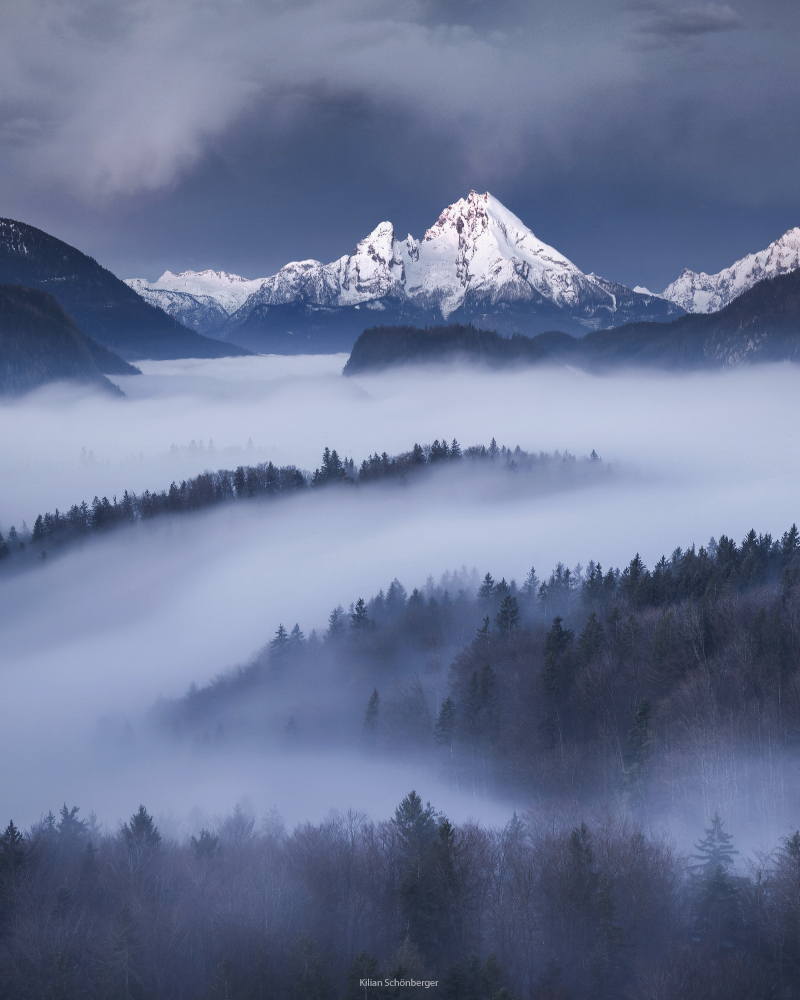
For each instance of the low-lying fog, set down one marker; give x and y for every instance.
(103, 630)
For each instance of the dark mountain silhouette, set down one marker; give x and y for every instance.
(40, 342)
(103, 307)
(762, 324)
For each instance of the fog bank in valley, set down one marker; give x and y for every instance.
(103, 630)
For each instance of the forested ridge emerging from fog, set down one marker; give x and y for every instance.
(415, 906)
(264, 480)
(674, 689)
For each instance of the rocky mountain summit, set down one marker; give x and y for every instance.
(478, 263)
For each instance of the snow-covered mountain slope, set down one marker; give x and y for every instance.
(229, 290)
(201, 300)
(707, 293)
(199, 312)
(476, 253)
(478, 263)
(479, 250)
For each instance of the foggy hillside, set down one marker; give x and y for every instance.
(120, 654)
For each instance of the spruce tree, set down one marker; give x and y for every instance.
(371, 714)
(205, 846)
(336, 624)
(12, 849)
(507, 618)
(280, 642)
(557, 662)
(359, 621)
(141, 831)
(486, 589)
(482, 637)
(416, 825)
(638, 747)
(718, 917)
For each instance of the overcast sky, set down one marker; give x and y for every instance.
(637, 137)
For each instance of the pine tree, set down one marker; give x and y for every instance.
(790, 545)
(718, 917)
(416, 825)
(141, 831)
(639, 746)
(590, 639)
(359, 621)
(12, 849)
(486, 589)
(371, 714)
(279, 644)
(531, 585)
(507, 618)
(205, 846)
(557, 663)
(336, 624)
(715, 850)
(482, 637)
(69, 826)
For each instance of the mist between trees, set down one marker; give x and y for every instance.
(673, 692)
(265, 480)
(536, 909)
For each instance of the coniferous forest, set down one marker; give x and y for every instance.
(607, 700)
(52, 531)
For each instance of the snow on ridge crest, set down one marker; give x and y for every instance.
(478, 254)
(706, 293)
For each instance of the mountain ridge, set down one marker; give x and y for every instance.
(478, 262)
(762, 324)
(40, 342)
(698, 292)
(102, 306)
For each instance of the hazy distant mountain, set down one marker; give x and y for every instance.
(102, 306)
(708, 293)
(479, 263)
(40, 342)
(762, 324)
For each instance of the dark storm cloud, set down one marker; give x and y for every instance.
(242, 134)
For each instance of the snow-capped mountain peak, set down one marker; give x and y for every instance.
(707, 293)
(477, 263)
(478, 249)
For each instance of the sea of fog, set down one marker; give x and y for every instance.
(101, 632)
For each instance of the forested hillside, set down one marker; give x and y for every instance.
(416, 906)
(762, 324)
(102, 305)
(40, 342)
(52, 531)
(672, 689)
